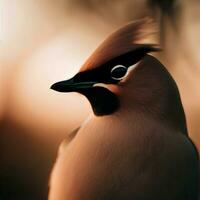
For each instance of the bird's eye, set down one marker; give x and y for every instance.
(118, 72)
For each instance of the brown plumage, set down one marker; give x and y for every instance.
(136, 146)
(131, 37)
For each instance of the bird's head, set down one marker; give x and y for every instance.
(99, 78)
(120, 73)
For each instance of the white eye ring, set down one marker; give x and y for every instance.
(127, 70)
(117, 67)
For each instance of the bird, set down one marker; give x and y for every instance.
(135, 144)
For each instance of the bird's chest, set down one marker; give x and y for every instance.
(123, 149)
(117, 159)
(135, 158)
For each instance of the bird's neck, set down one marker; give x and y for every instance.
(169, 113)
(174, 115)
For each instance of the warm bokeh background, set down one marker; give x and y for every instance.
(44, 41)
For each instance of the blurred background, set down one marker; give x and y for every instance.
(44, 41)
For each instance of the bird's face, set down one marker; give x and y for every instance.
(102, 85)
(100, 78)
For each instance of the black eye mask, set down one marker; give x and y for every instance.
(114, 70)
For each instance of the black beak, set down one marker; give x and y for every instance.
(71, 86)
(102, 100)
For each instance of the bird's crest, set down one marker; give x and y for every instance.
(131, 37)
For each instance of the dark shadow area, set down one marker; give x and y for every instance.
(25, 164)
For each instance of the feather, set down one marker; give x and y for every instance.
(133, 36)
